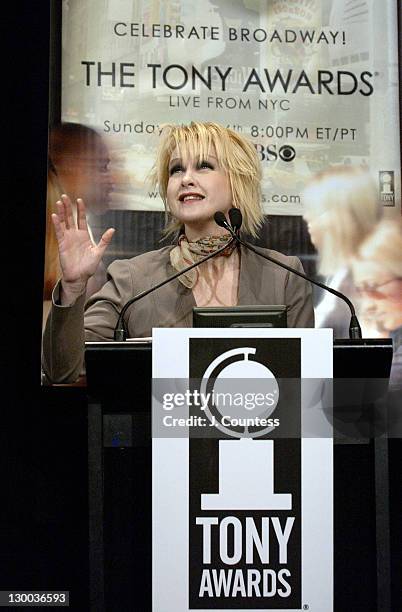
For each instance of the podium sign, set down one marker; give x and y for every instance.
(242, 470)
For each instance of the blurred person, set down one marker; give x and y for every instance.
(78, 166)
(341, 209)
(200, 169)
(377, 271)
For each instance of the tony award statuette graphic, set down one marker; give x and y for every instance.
(246, 470)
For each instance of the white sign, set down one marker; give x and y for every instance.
(242, 481)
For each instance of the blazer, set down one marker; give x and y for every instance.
(68, 327)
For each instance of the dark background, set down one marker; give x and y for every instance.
(43, 435)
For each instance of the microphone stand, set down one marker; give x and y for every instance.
(355, 331)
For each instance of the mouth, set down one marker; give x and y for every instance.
(190, 197)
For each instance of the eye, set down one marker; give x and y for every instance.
(205, 164)
(176, 168)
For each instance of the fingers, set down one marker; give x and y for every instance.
(81, 216)
(68, 211)
(66, 215)
(59, 230)
(106, 239)
(60, 217)
(65, 212)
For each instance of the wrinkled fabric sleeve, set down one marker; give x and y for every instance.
(68, 327)
(298, 295)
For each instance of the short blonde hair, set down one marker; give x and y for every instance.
(381, 253)
(342, 204)
(235, 155)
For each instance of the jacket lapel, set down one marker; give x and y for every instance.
(250, 279)
(183, 299)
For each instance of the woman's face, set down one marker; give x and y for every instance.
(196, 190)
(381, 293)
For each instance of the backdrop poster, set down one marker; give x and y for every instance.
(313, 83)
(242, 469)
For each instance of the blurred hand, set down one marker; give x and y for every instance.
(79, 256)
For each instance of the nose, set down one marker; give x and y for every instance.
(187, 177)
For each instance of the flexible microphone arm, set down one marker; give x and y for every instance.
(120, 331)
(354, 326)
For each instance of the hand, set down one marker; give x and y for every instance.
(79, 256)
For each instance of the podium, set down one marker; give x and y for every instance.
(120, 474)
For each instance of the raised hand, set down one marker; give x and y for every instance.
(79, 256)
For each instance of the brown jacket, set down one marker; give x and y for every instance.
(67, 327)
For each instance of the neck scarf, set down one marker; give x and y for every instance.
(187, 253)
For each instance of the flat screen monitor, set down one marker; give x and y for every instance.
(240, 316)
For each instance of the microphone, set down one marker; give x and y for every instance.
(236, 221)
(120, 331)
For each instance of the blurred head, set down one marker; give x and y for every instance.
(377, 271)
(236, 162)
(78, 166)
(79, 159)
(341, 208)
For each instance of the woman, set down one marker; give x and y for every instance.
(200, 169)
(341, 209)
(377, 270)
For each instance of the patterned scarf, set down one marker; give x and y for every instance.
(187, 253)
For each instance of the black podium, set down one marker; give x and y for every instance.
(119, 381)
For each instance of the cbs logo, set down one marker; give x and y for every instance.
(270, 153)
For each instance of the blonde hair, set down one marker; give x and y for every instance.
(342, 204)
(235, 155)
(381, 252)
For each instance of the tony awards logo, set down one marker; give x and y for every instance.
(246, 532)
(387, 189)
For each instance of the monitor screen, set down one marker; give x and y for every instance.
(240, 316)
